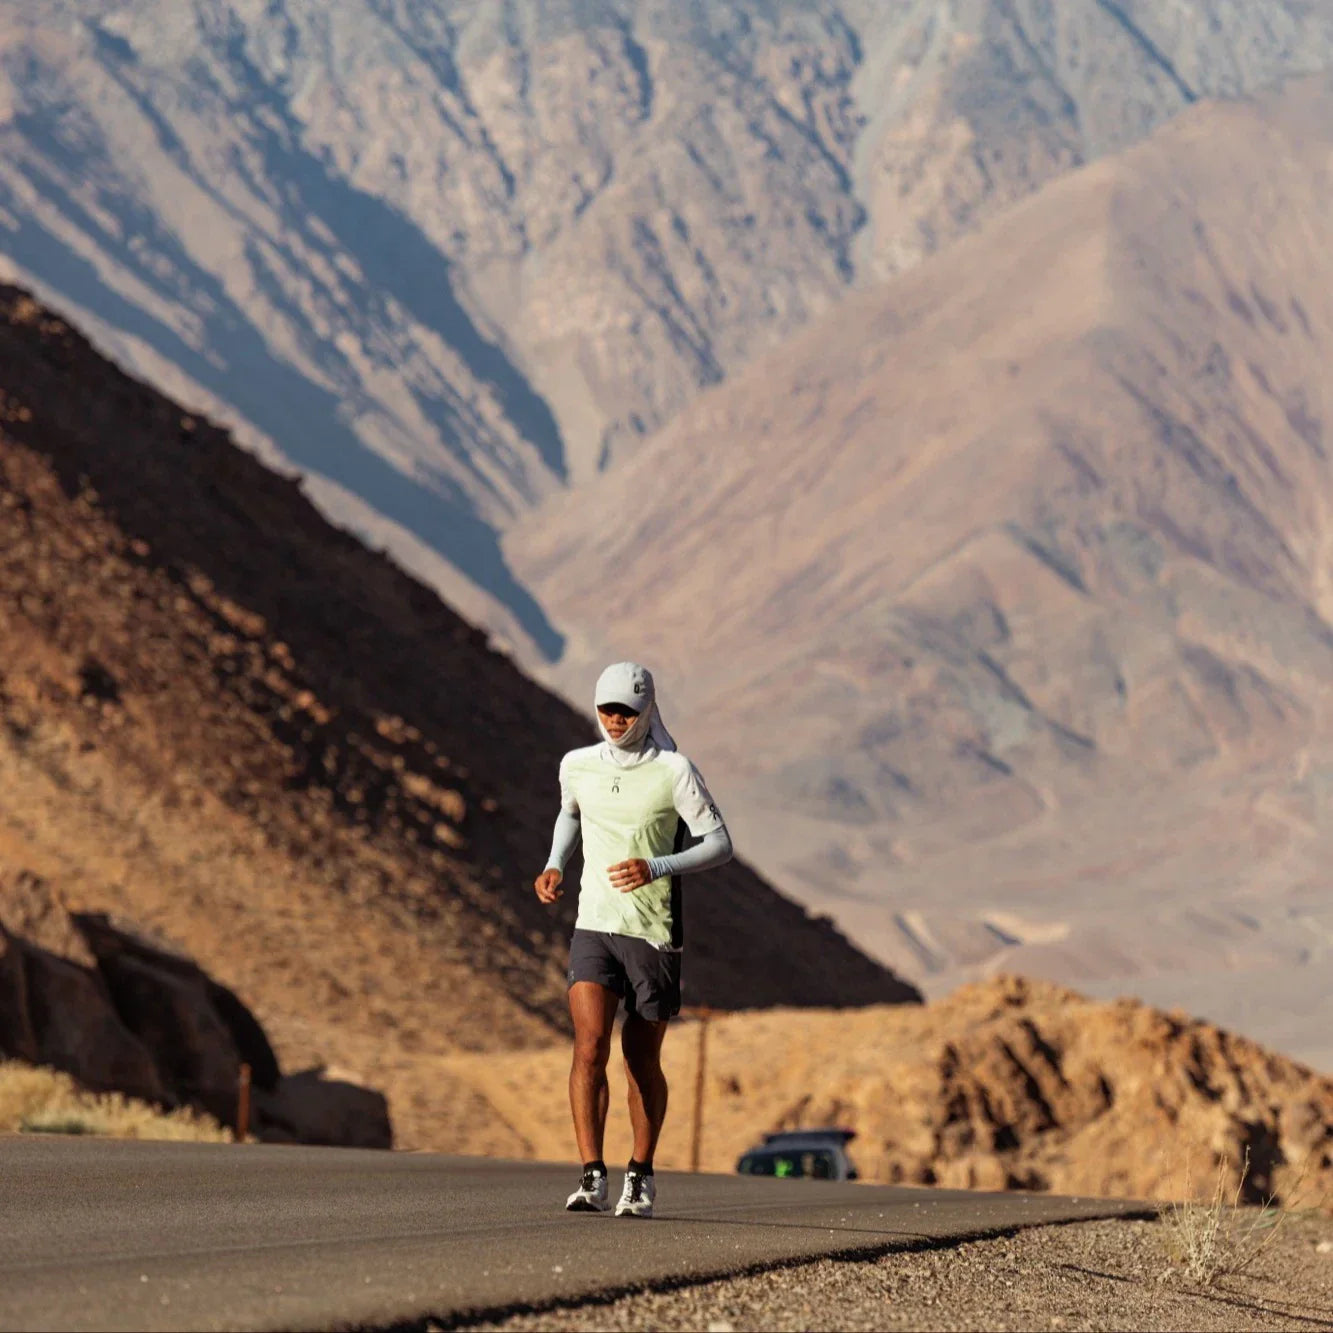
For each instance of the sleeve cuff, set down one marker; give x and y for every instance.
(706, 827)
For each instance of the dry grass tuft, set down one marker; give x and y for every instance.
(1199, 1237)
(1208, 1239)
(36, 1100)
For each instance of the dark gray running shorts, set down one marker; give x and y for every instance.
(645, 977)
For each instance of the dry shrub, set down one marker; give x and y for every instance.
(36, 1100)
(1211, 1238)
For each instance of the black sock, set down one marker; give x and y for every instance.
(598, 1165)
(641, 1168)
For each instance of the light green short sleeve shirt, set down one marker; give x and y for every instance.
(640, 811)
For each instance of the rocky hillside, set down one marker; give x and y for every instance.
(1009, 1084)
(450, 257)
(1020, 565)
(232, 724)
(126, 1015)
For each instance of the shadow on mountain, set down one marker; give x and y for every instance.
(399, 261)
(393, 254)
(303, 418)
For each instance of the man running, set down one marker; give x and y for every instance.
(631, 798)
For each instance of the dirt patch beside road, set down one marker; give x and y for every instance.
(1088, 1275)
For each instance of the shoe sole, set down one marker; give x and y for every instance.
(584, 1207)
(629, 1212)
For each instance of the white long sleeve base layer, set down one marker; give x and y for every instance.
(714, 850)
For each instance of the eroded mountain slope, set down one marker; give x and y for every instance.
(1019, 567)
(233, 724)
(450, 257)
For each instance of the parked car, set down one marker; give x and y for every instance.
(801, 1154)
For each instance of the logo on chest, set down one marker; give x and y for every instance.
(615, 786)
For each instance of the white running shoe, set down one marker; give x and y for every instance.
(636, 1199)
(591, 1195)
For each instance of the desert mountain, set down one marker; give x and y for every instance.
(1007, 1084)
(234, 725)
(450, 258)
(1011, 578)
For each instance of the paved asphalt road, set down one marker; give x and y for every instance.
(105, 1234)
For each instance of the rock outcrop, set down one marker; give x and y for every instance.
(57, 1012)
(199, 1032)
(143, 1019)
(1008, 1084)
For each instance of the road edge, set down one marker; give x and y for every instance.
(1135, 1211)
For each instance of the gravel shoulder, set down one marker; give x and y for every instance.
(1088, 1275)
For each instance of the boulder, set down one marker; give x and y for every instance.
(122, 1011)
(32, 909)
(199, 1031)
(310, 1108)
(54, 1012)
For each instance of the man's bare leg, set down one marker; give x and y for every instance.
(641, 1043)
(593, 1009)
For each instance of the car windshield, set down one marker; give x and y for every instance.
(790, 1163)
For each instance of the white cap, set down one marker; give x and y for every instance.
(626, 683)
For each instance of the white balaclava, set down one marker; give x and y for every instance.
(629, 684)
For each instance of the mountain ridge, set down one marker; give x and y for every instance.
(447, 259)
(1047, 516)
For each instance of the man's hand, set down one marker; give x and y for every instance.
(629, 875)
(547, 885)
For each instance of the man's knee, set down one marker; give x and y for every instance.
(643, 1054)
(592, 1050)
(645, 1070)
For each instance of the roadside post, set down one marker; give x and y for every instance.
(702, 1014)
(243, 1103)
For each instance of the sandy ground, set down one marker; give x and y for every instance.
(1091, 1275)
